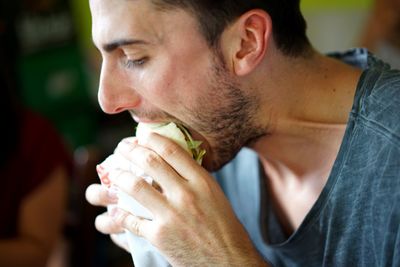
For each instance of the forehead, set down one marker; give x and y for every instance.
(118, 19)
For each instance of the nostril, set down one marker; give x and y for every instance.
(124, 105)
(110, 108)
(120, 109)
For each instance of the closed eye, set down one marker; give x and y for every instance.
(135, 63)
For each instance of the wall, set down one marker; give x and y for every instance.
(335, 24)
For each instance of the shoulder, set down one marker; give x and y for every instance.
(382, 82)
(378, 104)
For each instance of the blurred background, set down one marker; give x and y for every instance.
(57, 71)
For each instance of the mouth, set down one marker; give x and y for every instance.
(142, 119)
(145, 120)
(166, 119)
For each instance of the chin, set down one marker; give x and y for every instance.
(212, 162)
(213, 159)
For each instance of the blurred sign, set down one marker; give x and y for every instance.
(36, 32)
(52, 69)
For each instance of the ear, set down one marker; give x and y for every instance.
(252, 33)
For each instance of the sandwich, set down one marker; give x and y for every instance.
(177, 133)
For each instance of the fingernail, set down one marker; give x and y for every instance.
(103, 175)
(99, 169)
(130, 140)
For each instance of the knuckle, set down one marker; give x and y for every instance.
(138, 186)
(120, 218)
(207, 186)
(191, 202)
(134, 226)
(186, 197)
(151, 159)
(159, 231)
(168, 150)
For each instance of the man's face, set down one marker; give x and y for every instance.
(159, 67)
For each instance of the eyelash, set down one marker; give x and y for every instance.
(135, 63)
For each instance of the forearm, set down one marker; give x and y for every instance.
(21, 252)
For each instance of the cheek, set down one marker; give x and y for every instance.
(163, 85)
(155, 83)
(174, 85)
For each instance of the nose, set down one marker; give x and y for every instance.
(115, 93)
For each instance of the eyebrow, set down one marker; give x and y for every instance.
(123, 42)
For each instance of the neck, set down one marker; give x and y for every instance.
(308, 110)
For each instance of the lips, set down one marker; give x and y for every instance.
(148, 119)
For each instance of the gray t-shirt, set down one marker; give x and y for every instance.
(356, 219)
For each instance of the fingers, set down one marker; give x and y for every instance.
(192, 177)
(99, 195)
(152, 164)
(166, 150)
(128, 140)
(142, 191)
(174, 155)
(136, 225)
(105, 224)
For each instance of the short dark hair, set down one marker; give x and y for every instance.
(289, 26)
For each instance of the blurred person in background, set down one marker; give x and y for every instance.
(381, 34)
(35, 167)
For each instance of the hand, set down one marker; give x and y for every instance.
(193, 223)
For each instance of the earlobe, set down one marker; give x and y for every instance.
(255, 30)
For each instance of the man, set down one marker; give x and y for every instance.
(323, 186)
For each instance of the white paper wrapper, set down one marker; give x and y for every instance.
(143, 253)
